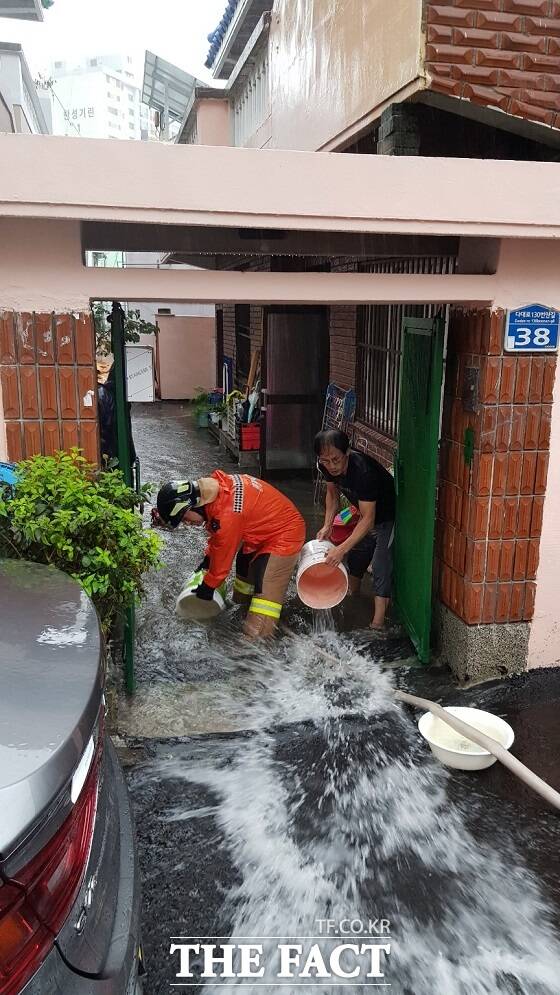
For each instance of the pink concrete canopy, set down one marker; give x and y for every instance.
(81, 178)
(50, 186)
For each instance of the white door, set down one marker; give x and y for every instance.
(140, 373)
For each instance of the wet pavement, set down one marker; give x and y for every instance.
(181, 674)
(278, 786)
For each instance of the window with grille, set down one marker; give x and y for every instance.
(379, 344)
(242, 343)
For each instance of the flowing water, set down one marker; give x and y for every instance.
(311, 796)
(331, 808)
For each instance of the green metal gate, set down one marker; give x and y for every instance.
(415, 475)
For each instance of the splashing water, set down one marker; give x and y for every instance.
(333, 810)
(322, 621)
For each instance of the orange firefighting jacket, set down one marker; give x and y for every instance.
(250, 514)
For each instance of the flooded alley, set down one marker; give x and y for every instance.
(279, 787)
(288, 275)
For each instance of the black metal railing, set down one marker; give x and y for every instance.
(379, 343)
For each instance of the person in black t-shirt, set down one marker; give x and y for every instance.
(370, 487)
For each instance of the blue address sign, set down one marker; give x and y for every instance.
(533, 328)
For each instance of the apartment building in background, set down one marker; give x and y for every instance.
(98, 97)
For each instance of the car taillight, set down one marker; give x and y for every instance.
(34, 907)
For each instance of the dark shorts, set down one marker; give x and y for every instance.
(377, 546)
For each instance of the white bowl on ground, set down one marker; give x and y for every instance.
(453, 749)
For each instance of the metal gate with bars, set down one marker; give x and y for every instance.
(339, 411)
(379, 337)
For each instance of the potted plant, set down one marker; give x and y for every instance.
(201, 408)
(217, 412)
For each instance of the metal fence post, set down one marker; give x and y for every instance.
(125, 464)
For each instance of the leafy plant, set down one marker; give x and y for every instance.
(200, 402)
(219, 408)
(134, 327)
(66, 512)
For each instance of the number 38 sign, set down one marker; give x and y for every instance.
(533, 328)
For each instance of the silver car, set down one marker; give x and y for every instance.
(69, 880)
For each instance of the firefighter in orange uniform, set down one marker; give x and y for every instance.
(247, 518)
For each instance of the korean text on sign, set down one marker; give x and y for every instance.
(533, 328)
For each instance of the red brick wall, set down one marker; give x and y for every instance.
(256, 324)
(257, 314)
(369, 441)
(229, 331)
(342, 325)
(490, 513)
(47, 366)
(498, 53)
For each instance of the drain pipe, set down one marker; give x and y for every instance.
(522, 772)
(487, 743)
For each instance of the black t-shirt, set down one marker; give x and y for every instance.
(366, 480)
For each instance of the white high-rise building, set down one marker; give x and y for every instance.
(98, 97)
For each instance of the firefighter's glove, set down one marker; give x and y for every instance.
(204, 592)
(157, 522)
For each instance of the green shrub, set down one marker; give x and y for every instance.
(65, 512)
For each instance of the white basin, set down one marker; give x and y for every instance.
(453, 749)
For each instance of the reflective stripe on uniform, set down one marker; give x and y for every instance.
(259, 606)
(243, 587)
(237, 494)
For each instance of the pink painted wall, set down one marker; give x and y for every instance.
(544, 639)
(334, 64)
(41, 266)
(187, 355)
(213, 122)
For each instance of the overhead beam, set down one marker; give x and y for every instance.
(42, 270)
(153, 183)
(227, 287)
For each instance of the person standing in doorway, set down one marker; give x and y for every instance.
(370, 488)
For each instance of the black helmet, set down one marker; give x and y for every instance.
(175, 498)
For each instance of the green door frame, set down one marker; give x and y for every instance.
(416, 476)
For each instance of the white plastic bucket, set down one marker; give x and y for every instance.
(190, 607)
(319, 585)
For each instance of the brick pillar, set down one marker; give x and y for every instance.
(229, 331)
(494, 462)
(49, 383)
(342, 329)
(256, 323)
(399, 131)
